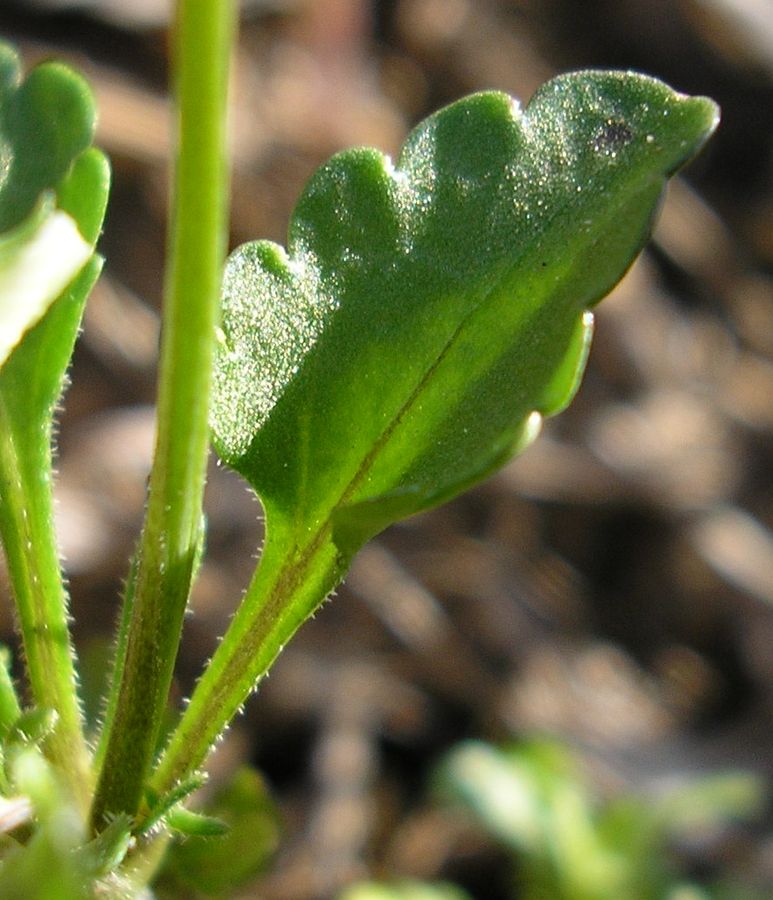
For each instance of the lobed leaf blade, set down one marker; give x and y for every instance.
(425, 318)
(428, 314)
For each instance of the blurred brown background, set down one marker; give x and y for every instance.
(612, 586)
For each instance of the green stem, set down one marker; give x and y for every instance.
(284, 591)
(204, 32)
(27, 527)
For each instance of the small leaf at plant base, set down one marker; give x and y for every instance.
(192, 824)
(428, 314)
(218, 865)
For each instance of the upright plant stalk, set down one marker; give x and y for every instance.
(204, 32)
(41, 602)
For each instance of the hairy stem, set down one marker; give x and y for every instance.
(171, 535)
(29, 538)
(284, 591)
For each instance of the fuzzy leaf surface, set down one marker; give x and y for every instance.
(428, 314)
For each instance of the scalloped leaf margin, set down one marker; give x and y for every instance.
(428, 314)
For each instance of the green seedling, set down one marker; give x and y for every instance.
(569, 844)
(566, 842)
(426, 316)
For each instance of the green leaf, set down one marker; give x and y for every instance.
(53, 195)
(39, 362)
(46, 123)
(216, 864)
(427, 315)
(425, 318)
(192, 824)
(531, 799)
